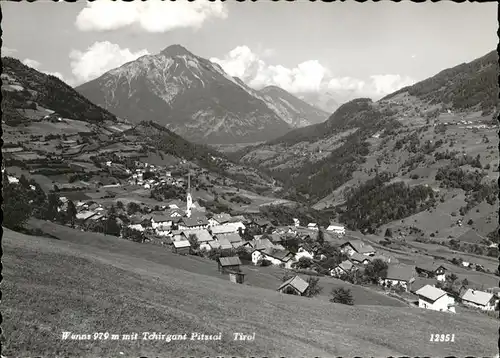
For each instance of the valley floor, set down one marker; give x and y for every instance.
(86, 283)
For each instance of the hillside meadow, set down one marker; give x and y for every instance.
(103, 284)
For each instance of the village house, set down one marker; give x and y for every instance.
(85, 215)
(181, 247)
(261, 224)
(236, 277)
(234, 239)
(193, 223)
(352, 246)
(421, 282)
(304, 251)
(296, 222)
(276, 257)
(202, 236)
(336, 228)
(294, 286)
(223, 230)
(136, 223)
(259, 244)
(402, 275)
(478, 299)
(229, 264)
(161, 222)
(219, 219)
(360, 259)
(312, 226)
(433, 298)
(222, 243)
(432, 270)
(345, 267)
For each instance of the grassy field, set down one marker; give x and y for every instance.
(103, 284)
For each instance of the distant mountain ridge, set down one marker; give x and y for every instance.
(195, 98)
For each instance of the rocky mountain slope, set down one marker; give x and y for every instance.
(443, 122)
(48, 127)
(195, 98)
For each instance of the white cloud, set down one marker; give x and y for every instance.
(100, 58)
(385, 84)
(7, 51)
(32, 63)
(243, 63)
(307, 77)
(151, 16)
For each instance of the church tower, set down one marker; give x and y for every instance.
(189, 199)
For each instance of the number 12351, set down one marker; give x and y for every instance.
(442, 338)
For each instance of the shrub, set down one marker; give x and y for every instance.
(314, 289)
(342, 295)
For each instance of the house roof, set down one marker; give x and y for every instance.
(277, 254)
(229, 261)
(477, 297)
(223, 229)
(160, 218)
(261, 244)
(222, 218)
(224, 243)
(181, 243)
(430, 292)
(400, 272)
(357, 257)
(214, 244)
(421, 282)
(262, 222)
(359, 246)
(346, 265)
(429, 266)
(233, 237)
(296, 282)
(84, 215)
(195, 221)
(312, 225)
(201, 235)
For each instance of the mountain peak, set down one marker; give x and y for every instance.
(175, 50)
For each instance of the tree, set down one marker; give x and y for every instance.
(71, 213)
(304, 262)
(388, 232)
(452, 278)
(119, 205)
(376, 270)
(193, 240)
(313, 289)
(342, 295)
(52, 206)
(321, 237)
(111, 227)
(465, 282)
(133, 208)
(16, 207)
(132, 234)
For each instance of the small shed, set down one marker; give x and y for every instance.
(236, 277)
(294, 286)
(182, 247)
(229, 264)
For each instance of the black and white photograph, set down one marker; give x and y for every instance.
(250, 179)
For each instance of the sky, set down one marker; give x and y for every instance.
(369, 49)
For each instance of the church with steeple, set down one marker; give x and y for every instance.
(189, 198)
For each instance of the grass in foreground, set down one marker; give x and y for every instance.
(51, 286)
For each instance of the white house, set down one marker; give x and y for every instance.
(276, 257)
(343, 268)
(483, 300)
(433, 298)
(137, 227)
(352, 246)
(432, 270)
(296, 222)
(336, 228)
(161, 222)
(401, 275)
(312, 226)
(304, 252)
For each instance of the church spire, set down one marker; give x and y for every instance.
(189, 199)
